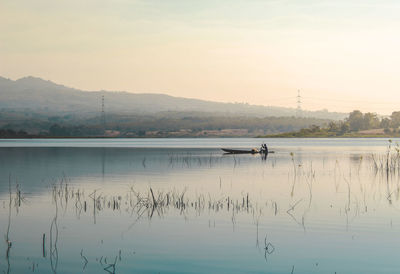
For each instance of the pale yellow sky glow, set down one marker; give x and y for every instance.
(342, 55)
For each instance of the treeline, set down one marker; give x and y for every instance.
(194, 124)
(358, 121)
(163, 125)
(57, 130)
(204, 122)
(142, 125)
(355, 123)
(9, 133)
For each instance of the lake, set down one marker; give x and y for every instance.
(182, 206)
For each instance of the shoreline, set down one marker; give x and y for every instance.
(332, 137)
(277, 136)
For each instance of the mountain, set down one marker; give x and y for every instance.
(38, 95)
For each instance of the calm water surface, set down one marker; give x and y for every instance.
(181, 206)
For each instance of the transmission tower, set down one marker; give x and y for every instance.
(298, 110)
(103, 114)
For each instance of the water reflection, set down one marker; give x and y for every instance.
(108, 210)
(7, 236)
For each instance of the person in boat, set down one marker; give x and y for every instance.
(264, 148)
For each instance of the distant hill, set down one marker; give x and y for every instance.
(38, 95)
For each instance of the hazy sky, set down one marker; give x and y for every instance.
(341, 54)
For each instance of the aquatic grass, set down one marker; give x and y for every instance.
(150, 202)
(389, 162)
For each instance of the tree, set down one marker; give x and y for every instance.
(356, 120)
(371, 121)
(315, 128)
(333, 127)
(57, 130)
(344, 127)
(395, 117)
(385, 123)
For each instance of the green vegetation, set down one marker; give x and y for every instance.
(358, 124)
(164, 124)
(9, 133)
(194, 124)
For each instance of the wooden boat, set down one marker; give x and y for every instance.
(240, 151)
(244, 151)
